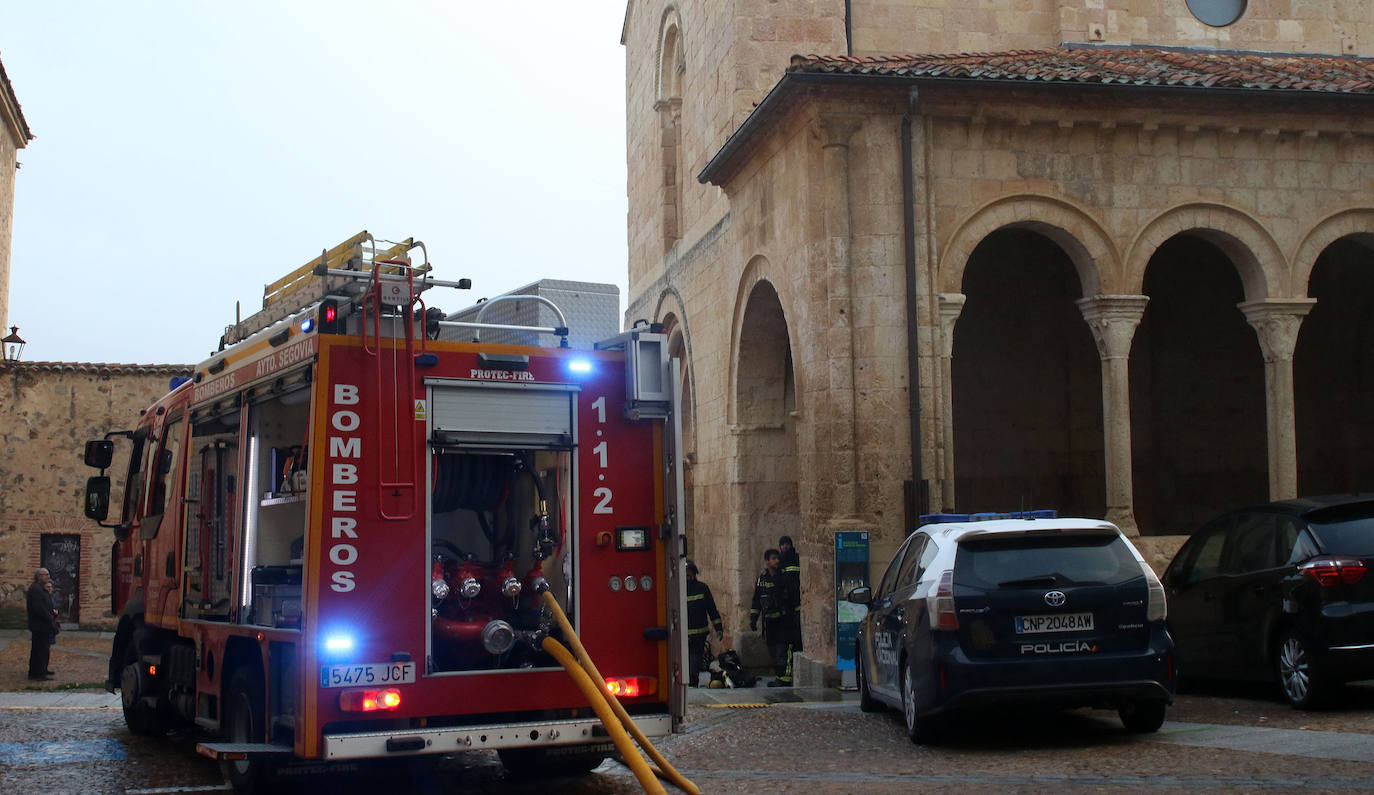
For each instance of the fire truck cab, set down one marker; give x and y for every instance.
(333, 538)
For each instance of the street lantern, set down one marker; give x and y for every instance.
(13, 345)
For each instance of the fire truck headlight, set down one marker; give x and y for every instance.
(439, 587)
(470, 588)
(511, 587)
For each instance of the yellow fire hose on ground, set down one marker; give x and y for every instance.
(609, 709)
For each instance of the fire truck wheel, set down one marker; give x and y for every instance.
(540, 763)
(135, 687)
(243, 723)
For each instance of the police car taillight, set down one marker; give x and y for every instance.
(631, 686)
(941, 604)
(1158, 608)
(370, 700)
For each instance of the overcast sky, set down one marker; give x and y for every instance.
(187, 153)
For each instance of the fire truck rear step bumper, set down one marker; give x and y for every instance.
(409, 742)
(233, 751)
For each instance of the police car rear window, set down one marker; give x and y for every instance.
(1040, 562)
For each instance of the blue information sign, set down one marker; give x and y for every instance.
(851, 571)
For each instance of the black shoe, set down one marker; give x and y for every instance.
(40, 678)
(779, 683)
(111, 685)
(50, 673)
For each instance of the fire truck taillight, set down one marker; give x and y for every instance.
(370, 700)
(631, 686)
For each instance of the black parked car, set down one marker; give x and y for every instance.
(1279, 592)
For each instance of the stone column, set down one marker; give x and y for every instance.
(1113, 320)
(834, 133)
(1276, 323)
(951, 306)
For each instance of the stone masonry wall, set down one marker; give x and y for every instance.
(47, 412)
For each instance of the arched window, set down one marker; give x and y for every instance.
(671, 69)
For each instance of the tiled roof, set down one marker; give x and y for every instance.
(15, 113)
(1125, 66)
(104, 368)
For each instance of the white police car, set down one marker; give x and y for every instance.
(986, 610)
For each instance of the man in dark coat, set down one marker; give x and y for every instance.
(42, 624)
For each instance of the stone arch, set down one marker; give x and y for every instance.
(668, 82)
(1199, 421)
(759, 270)
(1257, 258)
(762, 467)
(1081, 237)
(1021, 324)
(1357, 223)
(1333, 360)
(670, 74)
(671, 312)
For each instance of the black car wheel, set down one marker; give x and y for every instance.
(867, 702)
(919, 729)
(1296, 665)
(1143, 717)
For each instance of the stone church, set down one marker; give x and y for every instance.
(1110, 257)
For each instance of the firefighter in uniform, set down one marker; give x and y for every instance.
(790, 565)
(772, 603)
(702, 617)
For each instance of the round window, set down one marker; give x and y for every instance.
(1217, 13)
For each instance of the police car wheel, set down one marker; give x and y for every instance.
(867, 702)
(919, 729)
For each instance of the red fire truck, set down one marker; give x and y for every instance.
(334, 537)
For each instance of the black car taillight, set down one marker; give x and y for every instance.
(1328, 571)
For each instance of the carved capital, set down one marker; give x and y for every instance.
(1113, 320)
(951, 306)
(836, 130)
(1276, 323)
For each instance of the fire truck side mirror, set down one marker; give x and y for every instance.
(98, 497)
(99, 453)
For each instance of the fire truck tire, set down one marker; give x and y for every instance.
(540, 763)
(138, 716)
(243, 723)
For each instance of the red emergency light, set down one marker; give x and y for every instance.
(370, 700)
(631, 686)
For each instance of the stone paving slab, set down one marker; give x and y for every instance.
(49, 699)
(1294, 742)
